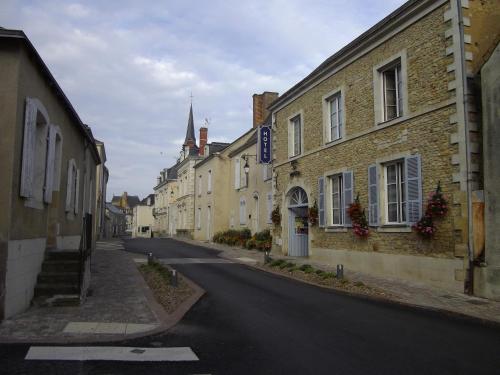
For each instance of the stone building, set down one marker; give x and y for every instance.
(48, 159)
(126, 203)
(142, 218)
(388, 117)
(165, 195)
(102, 176)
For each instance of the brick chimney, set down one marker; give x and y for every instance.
(260, 104)
(203, 140)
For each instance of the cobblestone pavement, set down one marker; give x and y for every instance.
(411, 293)
(117, 301)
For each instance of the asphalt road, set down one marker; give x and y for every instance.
(252, 322)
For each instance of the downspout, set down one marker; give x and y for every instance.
(469, 280)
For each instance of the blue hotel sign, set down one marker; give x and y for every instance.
(265, 144)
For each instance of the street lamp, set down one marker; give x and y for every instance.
(246, 167)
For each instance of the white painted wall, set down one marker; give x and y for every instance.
(24, 263)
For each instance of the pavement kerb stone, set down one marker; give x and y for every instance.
(166, 321)
(225, 253)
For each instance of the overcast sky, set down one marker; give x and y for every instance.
(129, 68)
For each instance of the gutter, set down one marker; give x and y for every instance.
(469, 280)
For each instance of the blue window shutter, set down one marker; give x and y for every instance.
(348, 179)
(321, 203)
(413, 189)
(372, 196)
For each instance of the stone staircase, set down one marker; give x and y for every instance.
(58, 283)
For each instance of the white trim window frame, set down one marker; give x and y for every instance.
(390, 88)
(333, 115)
(295, 135)
(337, 210)
(395, 192)
(198, 219)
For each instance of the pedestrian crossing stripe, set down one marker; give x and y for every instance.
(110, 353)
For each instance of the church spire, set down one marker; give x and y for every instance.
(190, 136)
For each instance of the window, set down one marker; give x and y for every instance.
(395, 192)
(199, 185)
(336, 187)
(243, 211)
(269, 207)
(267, 171)
(392, 91)
(295, 136)
(209, 182)
(335, 117)
(198, 218)
(72, 187)
(237, 173)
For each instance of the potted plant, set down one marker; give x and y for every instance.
(312, 214)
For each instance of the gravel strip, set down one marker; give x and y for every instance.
(168, 296)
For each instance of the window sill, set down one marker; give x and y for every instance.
(392, 121)
(333, 141)
(388, 228)
(209, 192)
(339, 229)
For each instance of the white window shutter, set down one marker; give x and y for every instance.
(348, 178)
(50, 167)
(77, 190)
(290, 139)
(237, 173)
(373, 196)
(28, 161)
(69, 187)
(413, 188)
(269, 207)
(321, 203)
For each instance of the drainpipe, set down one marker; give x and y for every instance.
(469, 284)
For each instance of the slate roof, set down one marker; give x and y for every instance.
(144, 202)
(190, 128)
(113, 209)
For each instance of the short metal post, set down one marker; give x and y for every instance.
(340, 271)
(150, 259)
(174, 278)
(267, 258)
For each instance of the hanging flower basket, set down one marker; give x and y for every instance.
(312, 214)
(425, 227)
(276, 216)
(358, 218)
(437, 207)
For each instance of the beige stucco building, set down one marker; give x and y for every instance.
(142, 218)
(48, 159)
(165, 195)
(226, 197)
(388, 117)
(102, 176)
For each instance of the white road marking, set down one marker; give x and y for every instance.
(109, 353)
(193, 260)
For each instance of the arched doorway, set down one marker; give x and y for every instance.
(298, 225)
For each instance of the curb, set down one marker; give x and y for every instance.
(167, 321)
(388, 301)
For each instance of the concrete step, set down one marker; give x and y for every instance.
(63, 255)
(53, 289)
(58, 277)
(60, 266)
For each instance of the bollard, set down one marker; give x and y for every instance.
(267, 258)
(150, 259)
(174, 278)
(340, 271)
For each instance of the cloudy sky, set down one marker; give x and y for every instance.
(129, 68)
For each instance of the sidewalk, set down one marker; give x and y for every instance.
(408, 293)
(120, 305)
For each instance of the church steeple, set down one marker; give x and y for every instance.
(190, 136)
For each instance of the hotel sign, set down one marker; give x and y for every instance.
(264, 144)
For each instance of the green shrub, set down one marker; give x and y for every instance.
(265, 235)
(305, 267)
(233, 237)
(328, 275)
(276, 263)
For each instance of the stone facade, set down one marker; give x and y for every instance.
(424, 40)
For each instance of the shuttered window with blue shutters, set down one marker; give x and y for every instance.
(348, 195)
(321, 203)
(373, 196)
(413, 188)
